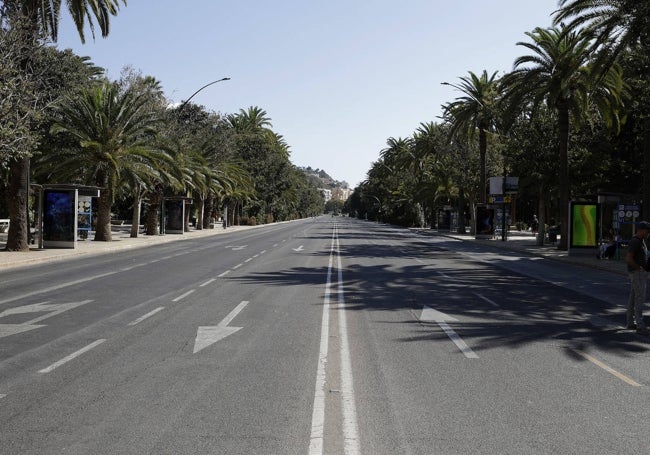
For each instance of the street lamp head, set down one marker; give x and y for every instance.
(206, 85)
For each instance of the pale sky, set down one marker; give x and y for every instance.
(337, 78)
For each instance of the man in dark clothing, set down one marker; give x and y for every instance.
(637, 266)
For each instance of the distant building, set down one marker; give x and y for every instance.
(341, 193)
(327, 194)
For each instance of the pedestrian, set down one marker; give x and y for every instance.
(534, 225)
(637, 266)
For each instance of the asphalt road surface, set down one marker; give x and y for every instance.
(320, 336)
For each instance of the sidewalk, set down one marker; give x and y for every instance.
(525, 242)
(121, 241)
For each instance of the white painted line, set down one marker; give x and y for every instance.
(458, 341)
(182, 296)
(237, 266)
(208, 282)
(72, 356)
(149, 314)
(263, 251)
(318, 412)
(487, 300)
(57, 287)
(223, 274)
(609, 369)
(2, 395)
(248, 260)
(350, 426)
(256, 255)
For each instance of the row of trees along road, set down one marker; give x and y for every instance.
(571, 118)
(62, 121)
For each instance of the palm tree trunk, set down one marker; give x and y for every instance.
(563, 128)
(207, 212)
(18, 235)
(482, 147)
(103, 232)
(135, 218)
(200, 212)
(153, 214)
(541, 232)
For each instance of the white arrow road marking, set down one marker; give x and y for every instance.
(300, 248)
(50, 310)
(430, 315)
(208, 335)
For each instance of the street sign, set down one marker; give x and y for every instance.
(499, 199)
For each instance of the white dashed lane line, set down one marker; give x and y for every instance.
(72, 356)
(148, 315)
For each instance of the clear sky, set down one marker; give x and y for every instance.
(337, 78)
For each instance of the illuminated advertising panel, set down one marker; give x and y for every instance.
(59, 218)
(584, 225)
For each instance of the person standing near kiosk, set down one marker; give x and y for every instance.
(637, 266)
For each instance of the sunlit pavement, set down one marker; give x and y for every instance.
(525, 242)
(121, 241)
(517, 241)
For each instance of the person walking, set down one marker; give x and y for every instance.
(637, 266)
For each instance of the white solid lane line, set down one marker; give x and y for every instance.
(318, 413)
(348, 404)
(72, 356)
(350, 426)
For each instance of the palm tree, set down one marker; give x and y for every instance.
(559, 72)
(41, 21)
(475, 111)
(114, 130)
(616, 25)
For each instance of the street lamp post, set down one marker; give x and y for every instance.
(206, 85)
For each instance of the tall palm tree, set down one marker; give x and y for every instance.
(558, 72)
(475, 111)
(41, 21)
(114, 130)
(616, 25)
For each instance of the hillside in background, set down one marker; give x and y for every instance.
(331, 188)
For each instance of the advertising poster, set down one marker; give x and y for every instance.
(484, 221)
(174, 215)
(584, 224)
(59, 216)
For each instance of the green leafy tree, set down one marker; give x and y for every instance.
(34, 21)
(558, 72)
(618, 26)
